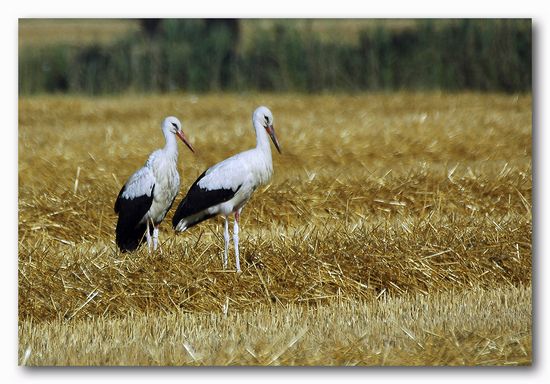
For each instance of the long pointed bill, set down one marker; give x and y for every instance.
(184, 139)
(271, 132)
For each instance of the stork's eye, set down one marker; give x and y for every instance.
(175, 125)
(266, 119)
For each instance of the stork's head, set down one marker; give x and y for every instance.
(263, 116)
(172, 125)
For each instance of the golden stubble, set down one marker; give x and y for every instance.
(476, 327)
(375, 196)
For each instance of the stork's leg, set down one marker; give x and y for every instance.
(236, 240)
(155, 237)
(148, 235)
(226, 238)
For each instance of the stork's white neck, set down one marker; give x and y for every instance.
(262, 140)
(171, 146)
(263, 151)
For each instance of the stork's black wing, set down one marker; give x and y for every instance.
(129, 228)
(198, 199)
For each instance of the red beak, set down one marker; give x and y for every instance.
(184, 139)
(271, 131)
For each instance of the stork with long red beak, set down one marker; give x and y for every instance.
(149, 193)
(226, 187)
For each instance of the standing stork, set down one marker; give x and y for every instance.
(144, 200)
(225, 188)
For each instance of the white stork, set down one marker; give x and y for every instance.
(144, 200)
(225, 188)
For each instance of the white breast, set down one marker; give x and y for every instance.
(247, 167)
(167, 184)
(245, 171)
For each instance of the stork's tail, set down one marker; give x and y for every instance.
(129, 238)
(190, 221)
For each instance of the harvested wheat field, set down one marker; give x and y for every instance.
(396, 231)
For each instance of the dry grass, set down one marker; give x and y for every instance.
(44, 32)
(375, 196)
(328, 30)
(460, 328)
(41, 32)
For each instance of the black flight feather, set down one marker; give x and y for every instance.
(198, 199)
(129, 232)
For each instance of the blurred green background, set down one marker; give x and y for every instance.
(106, 56)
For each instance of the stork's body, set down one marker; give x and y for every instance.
(144, 200)
(226, 187)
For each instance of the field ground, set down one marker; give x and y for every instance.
(474, 327)
(396, 230)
